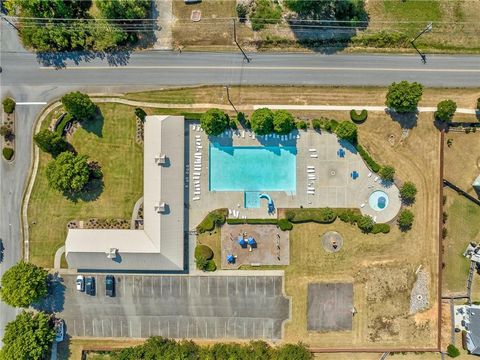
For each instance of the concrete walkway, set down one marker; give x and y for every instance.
(136, 207)
(163, 34)
(270, 106)
(57, 262)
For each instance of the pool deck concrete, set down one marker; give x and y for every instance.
(332, 185)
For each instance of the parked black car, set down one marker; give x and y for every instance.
(90, 285)
(110, 285)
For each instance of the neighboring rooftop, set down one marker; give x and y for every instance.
(160, 245)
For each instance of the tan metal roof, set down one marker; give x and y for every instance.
(160, 245)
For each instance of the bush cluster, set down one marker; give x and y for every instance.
(325, 124)
(358, 118)
(215, 217)
(405, 220)
(9, 105)
(265, 12)
(445, 110)
(374, 166)
(347, 130)
(452, 351)
(203, 251)
(302, 125)
(50, 142)
(7, 153)
(163, 348)
(387, 173)
(364, 223)
(214, 121)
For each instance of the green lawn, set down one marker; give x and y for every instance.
(109, 141)
(463, 226)
(405, 12)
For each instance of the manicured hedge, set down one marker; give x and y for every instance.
(216, 217)
(358, 118)
(7, 153)
(9, 105)
(368, 159)
(62, 124)
(252, 221)
(285, 225)
(318, 215)
(203, 251)
(350, 216)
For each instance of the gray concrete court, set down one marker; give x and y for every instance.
(330, 307)
(242, 307)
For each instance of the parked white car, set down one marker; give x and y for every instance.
(80, 283)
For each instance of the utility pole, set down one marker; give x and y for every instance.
(236, 42)
(8, 21)
(428, 28)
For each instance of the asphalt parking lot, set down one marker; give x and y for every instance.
(240, 307)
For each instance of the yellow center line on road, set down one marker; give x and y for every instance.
(248, 67)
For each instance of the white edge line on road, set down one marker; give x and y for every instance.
(32, 103)
(247, 67)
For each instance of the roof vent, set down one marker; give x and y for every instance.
(111, 253)
(160, 159)
(160, 206)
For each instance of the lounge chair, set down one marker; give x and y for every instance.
(197, 136)
(362, 205)
(243, 134)
(313, 155)
(312, 150)
(312, 177)
(310, 167)
(310, 171)
(369, 174)
(376, 178)
(196, 178)
(195, 198)
(374, 219)
(311, 188)
(196, 193)
(253, 136)
(197, 182)
(298, 136)
(196, 173)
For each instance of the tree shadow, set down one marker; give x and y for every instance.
(55, 299)
(91, 192)
(63, 348)
(61, 59)
(406, 120)
(95, 125)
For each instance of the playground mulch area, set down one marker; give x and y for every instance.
(271, 245)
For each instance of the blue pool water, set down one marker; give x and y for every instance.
(252, 199)
(260, 168)
(378, 200)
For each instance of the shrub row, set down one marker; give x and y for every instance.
(382, 39)
(318, 215)
(325, 124)
(372, 164)
(215, 217)
(252, 221)
(285, 225)
(62, 124)
(358, 118)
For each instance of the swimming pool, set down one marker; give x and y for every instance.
(378, 200)
(252, 168)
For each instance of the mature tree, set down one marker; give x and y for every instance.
(79, 105)
(329, 9)
(50, 142)
(445, 110)
(408, 192)
(131, 13)
(28, 337)
(404, 96)
(283, 122)
(68, 172)
(365, 223)
(405, 220)
(214, 121)
(347, 130)
(23, 284)
(387, 173)
(8, 105)
(262, 121)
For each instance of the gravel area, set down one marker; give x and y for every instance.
(420, 291)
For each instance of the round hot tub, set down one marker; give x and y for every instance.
(378, 200)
